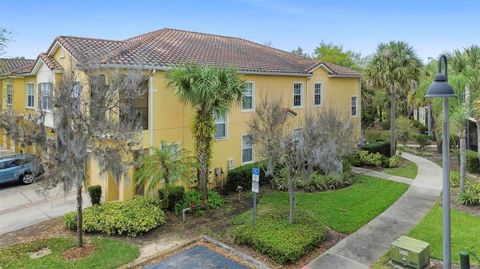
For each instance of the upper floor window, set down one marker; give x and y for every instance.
(9, 94)
(30, 95)
(318, 94)
(45, 90)
(247, 98)
(247, 149)
(297, 94)
(354, 105)
(220, 125)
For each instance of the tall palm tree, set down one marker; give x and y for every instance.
(395, 67)
(208, 90)
(166, 164)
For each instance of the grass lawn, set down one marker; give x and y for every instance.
(343, 210)
(108, 253)
(372, 134)
(465, 233)
(408, 169)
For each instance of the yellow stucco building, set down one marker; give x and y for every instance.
(306, 86)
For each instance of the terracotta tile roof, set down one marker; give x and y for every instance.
(7, 65)
(169, 47)
(51, 63)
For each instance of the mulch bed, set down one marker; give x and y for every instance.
(78, 252)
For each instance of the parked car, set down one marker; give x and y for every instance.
(16, 169)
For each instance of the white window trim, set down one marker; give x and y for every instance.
(26, 92)
(226, 130)
(301, 94)
(11, 94)
(356, 106)
(253, 98)
(40, 99)
(241, 150)
(321, 93)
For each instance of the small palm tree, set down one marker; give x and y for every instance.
(395, 67)
(166, 165)
(208, 90)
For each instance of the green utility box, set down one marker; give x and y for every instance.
(410, 252)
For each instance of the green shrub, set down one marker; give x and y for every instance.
(422, 129)
(131, 217)
(473, 163)
(354, 159)
(423, 140)
(242, 176)
(371, 159)
(404, 129)
(382, 147)
(394, 161)
(175, 196)
(276, 238)
(471, 196)
(385, 125)
(193, 198)
(95, 193)
(454, 179)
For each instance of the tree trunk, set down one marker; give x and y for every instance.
(79, 216)
(292, 199)
(393, 131)
(429, 120)
(463, 157)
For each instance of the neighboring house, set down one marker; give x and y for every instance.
(306, 85)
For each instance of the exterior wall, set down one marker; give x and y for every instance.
(172, 120)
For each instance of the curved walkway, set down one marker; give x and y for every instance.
(365, 246)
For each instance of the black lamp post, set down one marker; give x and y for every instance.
(441, 88)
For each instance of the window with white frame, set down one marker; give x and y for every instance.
(30, 95)
(247, 149)
(318, 94)
(45, 90)
(297, 94)
(76, 94)
(247, 98)
(354, 105)
(9, 94)
(220, 125)
(297, 136)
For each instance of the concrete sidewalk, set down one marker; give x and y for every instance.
(365, 246)
(22, 206)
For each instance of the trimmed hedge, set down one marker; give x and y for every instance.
(95, 193)
(380, 146)
(242, 176)
(473, 162)
(275, 237)
(175, 196)
(131, 218)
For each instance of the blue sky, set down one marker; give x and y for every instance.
(431, 26)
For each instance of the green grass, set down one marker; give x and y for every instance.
(372, 134)
(344, 210)
(109, 253)
(275, 237)
(408, 169)
(465, 233)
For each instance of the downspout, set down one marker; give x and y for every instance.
(150, 109)
(306, 100)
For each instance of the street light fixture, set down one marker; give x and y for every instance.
(441, 88)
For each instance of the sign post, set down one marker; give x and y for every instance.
(255, 190)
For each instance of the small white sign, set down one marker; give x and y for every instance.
(255, 179)
(255, 187)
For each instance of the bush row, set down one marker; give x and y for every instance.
(473, 162)
(131, 217)
(380, 146)
(242, 176)
(365, 158)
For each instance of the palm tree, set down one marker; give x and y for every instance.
(209, 90)
(166, 164)
(395, 67)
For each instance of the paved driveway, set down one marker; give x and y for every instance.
(23, 205)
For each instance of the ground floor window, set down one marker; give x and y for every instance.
(247, 149)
